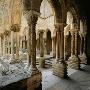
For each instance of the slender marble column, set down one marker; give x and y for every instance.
(8, 45)
(62, 45)
(0, 45)
(29, 47)
(65, 47)
(12, 46)
(76, 43)
(21, 43)
(84, 43)
(41, 45)
(17, 46)
(57, 46)
(81, 38)
(72, 43)
(4, 45)
(53, 46)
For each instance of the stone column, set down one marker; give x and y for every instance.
(33, 41)
(76, 48)
(21, 43)
(0, 44)
(45, 49)
(28, 47)
(17, 47)
(73, 61)
(60, 67)
(76, 54)
(72, 43)
(12, 46)
(8, 45)
(65, 47)
(41, 44)
(42, 60)
(80, 43)
(84, 43)
(53, 46)
(84, 57)
(4, 45)
(57, 46)
(32, 16)
(62, 45)
(32, 19)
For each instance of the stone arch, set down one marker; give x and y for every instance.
(59, 10)
(71, 7)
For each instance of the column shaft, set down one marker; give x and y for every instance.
(84, 45)
(53, 46)
(57, 45)
(4, 46)
(65, 47)
(17, 46)
(62, 45)
(76, 43)
(29, 47)
(41, 45)
(12, 45)
(72, 43)
(80, 44)
(0, 46)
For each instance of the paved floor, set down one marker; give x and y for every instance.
(78, 80)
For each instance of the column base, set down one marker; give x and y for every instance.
(42, 62)
(83, 58)
(60, 69)
(73, 62)
(34, 82)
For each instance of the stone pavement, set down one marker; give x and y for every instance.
(78, 80)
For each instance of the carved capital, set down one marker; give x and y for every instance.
(15, 28)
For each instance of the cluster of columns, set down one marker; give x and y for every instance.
(75, 60)
(82, 56)
(59, 65)
(4, 44)
(15, 30)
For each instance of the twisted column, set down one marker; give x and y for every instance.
(32, 19)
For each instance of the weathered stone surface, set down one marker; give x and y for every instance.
(73, 62)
